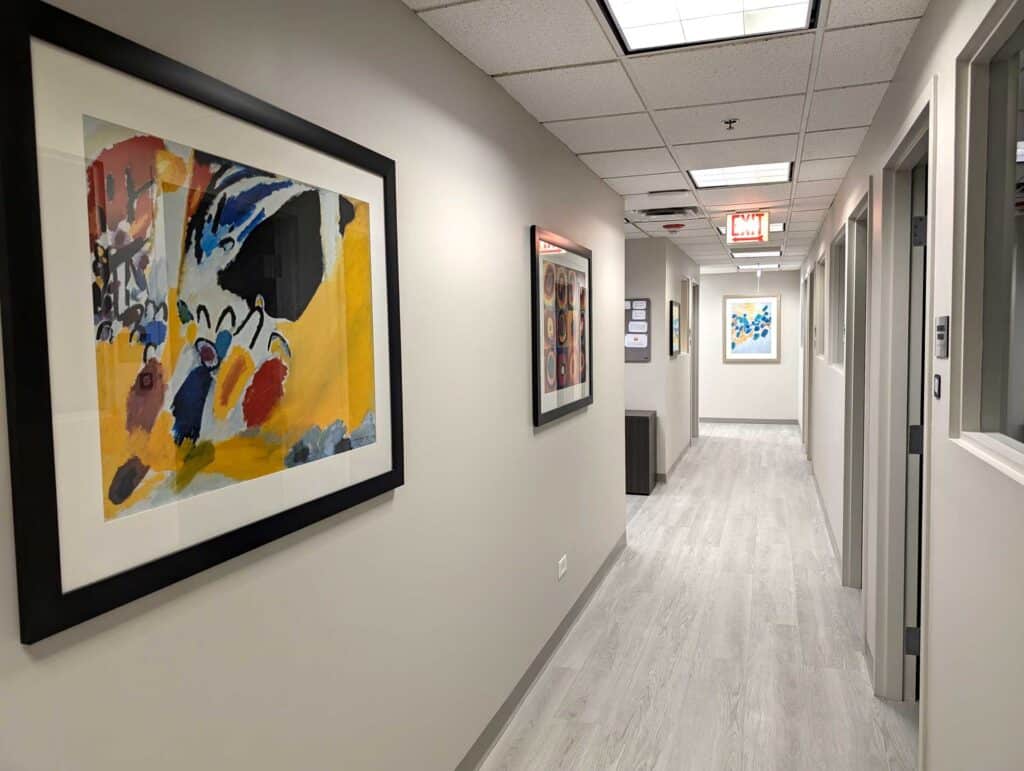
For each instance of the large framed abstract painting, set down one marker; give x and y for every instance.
(751, 329)
(563, 361)
(200, 318)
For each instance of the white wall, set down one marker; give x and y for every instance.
(385, 639)
(973, 681)
(828, 431)
(749, 391)
(655, 268)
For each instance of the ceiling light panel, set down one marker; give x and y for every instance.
(758, 254)
(731, 176)
(644, 25)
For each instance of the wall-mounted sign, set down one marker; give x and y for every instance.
(748, 227)
(638, 337)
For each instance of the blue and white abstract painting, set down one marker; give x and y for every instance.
(751, 328)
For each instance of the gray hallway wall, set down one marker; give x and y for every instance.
(385, 639)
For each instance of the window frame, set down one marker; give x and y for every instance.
(836, 310)
(967, 328)
(819, 291)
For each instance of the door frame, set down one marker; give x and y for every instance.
(808, 358)
(916, 142)
(858, 260)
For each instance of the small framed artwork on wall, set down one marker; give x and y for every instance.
(675, 338)
(563, 361)
(200, 319)
(750, 333)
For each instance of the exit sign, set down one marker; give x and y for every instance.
(749, 227)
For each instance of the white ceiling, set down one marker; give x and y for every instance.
(641, 121)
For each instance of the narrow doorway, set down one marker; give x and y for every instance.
(916, 396)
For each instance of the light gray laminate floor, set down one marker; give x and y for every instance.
(721, 639)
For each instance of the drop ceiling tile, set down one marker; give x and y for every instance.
(844, 57)
(648, 183)
(831, 168)
(833, 144)
(844, 107)
(628, 228)
(574, 92)
(625, 163)
(770, 205)
(637, 234)
(615, 132)
(658, 201)
(665, 227)
(724, 73)
(846, 13)
(804, 227)
(812, 203)
(512, 35)
(761, 117)
(695, 232)
(813, 215)
(740, 152)
(752, 194)
(818, 188)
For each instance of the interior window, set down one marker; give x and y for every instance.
(1003, 325)
(837, 302)
(819, 309)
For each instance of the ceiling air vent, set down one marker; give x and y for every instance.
(675, 212)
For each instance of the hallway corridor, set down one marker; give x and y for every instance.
(721, 639)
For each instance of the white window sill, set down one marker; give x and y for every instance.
(997, 450)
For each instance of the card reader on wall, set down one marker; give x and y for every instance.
(942, 337)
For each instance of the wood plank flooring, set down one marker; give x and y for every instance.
(721, 639)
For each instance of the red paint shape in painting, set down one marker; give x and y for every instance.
(264, 392)
(119, 182)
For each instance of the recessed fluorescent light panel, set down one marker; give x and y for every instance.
(731, 176)
(650, 25)
(758, 254)
(760, 266)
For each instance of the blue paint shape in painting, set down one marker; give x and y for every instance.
(189, 402)
(752, 334)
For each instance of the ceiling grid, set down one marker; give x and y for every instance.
(643, 121)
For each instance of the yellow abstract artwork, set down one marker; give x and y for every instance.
(233, 319)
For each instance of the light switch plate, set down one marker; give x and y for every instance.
(563, 566)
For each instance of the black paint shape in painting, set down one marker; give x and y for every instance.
(281, 260)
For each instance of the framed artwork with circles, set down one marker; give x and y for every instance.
(563, 361)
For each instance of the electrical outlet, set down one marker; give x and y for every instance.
(563, 566)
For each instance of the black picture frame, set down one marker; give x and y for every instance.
(43, 608)
(675, 347)
(540, 417)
